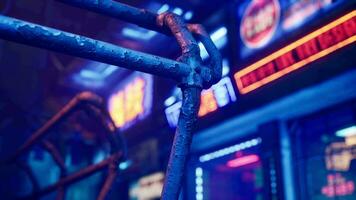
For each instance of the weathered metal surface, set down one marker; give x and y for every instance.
(152, 21)
(215, 61)
(140, 17)
(48, 38)
(189, 70)
(113, 171)
(181, 144)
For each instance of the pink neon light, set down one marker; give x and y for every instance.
(245, 160)
(338, 186)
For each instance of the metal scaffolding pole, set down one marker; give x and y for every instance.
(140, 17)
(189, 71)
(52, 39)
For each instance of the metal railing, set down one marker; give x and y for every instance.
(93, 105)
(191, 74)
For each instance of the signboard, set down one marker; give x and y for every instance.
(219, 95)
(229, 167)
(147, 187)
(132, 100)
(264, 22)
(259, 22)
(338, 186)
(318, 44)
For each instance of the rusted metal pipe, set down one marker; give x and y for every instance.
(77, 176)
(108, 125)
(55, 155)
(153, 21)
(215, 59)
(93, 104)
(48, 38)
(108, 181)
(181, 144)
(189, 70)
(57, 118)
(140, 17)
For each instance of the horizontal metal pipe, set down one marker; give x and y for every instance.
(140, 17)
(48, 38)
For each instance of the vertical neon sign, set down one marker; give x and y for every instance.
(132, 101)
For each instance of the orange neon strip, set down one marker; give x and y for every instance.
(289, 48)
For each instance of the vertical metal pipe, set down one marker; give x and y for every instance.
(181, 143)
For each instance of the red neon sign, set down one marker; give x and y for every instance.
(129, 103)
(259, 22)
(314, 46)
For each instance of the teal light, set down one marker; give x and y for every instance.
(346, 132)
(125, 165)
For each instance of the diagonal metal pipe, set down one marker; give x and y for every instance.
(56, 119)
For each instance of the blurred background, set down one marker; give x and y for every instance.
(281, 124)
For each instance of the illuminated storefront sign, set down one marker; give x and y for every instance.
(132, 101)
(262, 23)
(219, 95)
(314, 46)
(229, 166)
(338, 155)
(259, 22)
(338, 186)
(338, 158)
(148, 187)
(299, 11)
